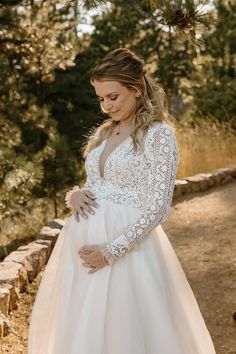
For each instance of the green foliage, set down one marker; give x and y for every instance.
(217, 99)
(36, 39)
(214, 89)
(60, 169)
(18, 178)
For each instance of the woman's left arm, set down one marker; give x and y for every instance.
(162, 155)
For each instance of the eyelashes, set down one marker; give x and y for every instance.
(112, 99)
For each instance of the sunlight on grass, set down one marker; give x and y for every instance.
(205, 148)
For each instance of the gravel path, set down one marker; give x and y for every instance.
(201, 228)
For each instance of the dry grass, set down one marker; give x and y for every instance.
(205, 146)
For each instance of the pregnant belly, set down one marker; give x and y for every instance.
(108, 222)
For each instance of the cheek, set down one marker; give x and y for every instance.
(126, 103)
(131, 104)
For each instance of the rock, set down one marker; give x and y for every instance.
(47, 233)
(4, 326)
(47, 243)
(177, 192)
(14, 274)
(229, 171)
(56, 224)
(224, 175)
(202, 181)
(198, 182)
(5, 294)
(32, 256)
(181, 186)
(232, 172)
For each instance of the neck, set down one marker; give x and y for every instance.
(124, 123)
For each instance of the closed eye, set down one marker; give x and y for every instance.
(112, 99)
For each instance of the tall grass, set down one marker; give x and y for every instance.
(205, 145)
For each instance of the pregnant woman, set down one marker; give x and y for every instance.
(113, 283)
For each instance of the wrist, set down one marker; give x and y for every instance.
(117, 248)
(108, 256)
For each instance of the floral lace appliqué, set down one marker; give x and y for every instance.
(143, 179)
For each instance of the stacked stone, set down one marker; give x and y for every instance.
(21, 266)
(203, 181)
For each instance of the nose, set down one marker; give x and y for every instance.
(107, 104)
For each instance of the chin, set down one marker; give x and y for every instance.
(115, 119)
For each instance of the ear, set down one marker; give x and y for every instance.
(137, 92)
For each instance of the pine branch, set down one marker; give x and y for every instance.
(91, 4)
(184, 15)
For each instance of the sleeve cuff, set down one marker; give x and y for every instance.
(107, 254)
(117, 248)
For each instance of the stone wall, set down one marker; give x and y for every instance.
(22, 265)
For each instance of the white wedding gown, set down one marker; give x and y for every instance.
(141, 303)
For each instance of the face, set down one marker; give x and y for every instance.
(118, 101)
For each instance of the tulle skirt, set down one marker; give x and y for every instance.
(143, 304)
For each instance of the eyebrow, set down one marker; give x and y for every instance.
(109, 94)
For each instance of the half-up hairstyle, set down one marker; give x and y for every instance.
(127, 68)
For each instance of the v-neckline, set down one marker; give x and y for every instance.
(109, 155)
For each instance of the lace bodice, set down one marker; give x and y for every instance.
(143, 179)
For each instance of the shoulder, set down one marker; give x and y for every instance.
(158, 131)
(160, 141)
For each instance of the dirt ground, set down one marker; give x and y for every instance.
(202, 230)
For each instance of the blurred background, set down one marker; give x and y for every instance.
(47, 106)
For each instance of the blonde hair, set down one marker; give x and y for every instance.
(127, 68)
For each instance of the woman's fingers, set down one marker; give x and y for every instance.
(94, 259)
(83, 203)
(93, 270)
(83, 208)
(90, 198)
(90, 202)
(90, 248)
(81, 212)
(86, 207)
(89, 194)
(76, 215)
(86, 258)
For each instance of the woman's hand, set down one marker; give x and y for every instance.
(92, 258)
(81, 203)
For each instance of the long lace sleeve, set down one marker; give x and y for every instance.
(162, 155)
